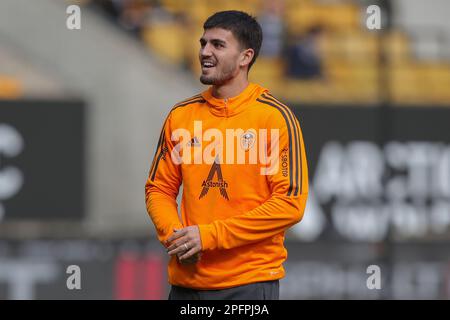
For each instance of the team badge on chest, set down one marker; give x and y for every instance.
(248, 139)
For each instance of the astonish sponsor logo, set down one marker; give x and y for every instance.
(212, 184)
(220, 183)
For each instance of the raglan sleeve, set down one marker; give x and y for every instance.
(162, 186)
(284, 208)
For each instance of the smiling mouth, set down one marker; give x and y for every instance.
(208, 65)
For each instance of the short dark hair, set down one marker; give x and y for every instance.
(242, 25)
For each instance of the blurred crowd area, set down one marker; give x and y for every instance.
(314, 51)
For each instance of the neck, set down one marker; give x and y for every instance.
(230, 89)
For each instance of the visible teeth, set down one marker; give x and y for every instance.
(207, 64)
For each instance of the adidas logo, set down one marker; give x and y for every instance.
(194, 142)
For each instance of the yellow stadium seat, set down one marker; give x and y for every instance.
(268, 72)
(174, 6)
(250, 6)
(357, 47)
(351, 55)
(405, 85)
(301, 91)
(300, 18)
(340, 17)
(198, 11)
(435, 78)
(335, 17)
(10, 87)
(164, 39)
(397, 48)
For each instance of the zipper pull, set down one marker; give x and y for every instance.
(226, 107)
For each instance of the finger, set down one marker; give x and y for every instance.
(177, 244)
(189, 253)
(167, 242)
(180, 249)
(176, 251)
(185, 261)
(176, 235)
(195, 258)
(190, 260)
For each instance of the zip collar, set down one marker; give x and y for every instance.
(231, 106)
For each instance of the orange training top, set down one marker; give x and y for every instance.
(242, 211)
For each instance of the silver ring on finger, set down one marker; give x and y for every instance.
(185, 245)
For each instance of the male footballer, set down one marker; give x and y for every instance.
(240, 156)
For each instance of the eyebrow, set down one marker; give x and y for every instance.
(214, 41)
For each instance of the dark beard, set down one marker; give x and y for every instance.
(206, 80)
(218, 80)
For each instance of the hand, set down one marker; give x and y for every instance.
(185, 243)
(192, 260)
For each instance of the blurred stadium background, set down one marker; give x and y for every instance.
(81, 110)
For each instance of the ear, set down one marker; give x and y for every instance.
(246, 57)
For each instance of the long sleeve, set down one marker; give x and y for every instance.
(284, 208)
(162, 186)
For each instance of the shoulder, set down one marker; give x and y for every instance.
(178, 111)
(278, 111)
(186, 103)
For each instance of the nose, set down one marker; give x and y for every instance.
(205, 51)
